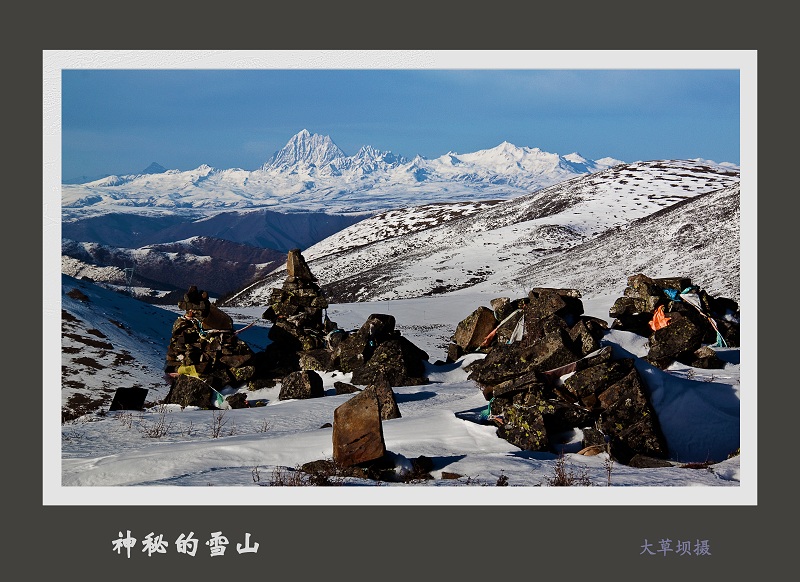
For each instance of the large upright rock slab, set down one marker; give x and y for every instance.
(297, 268)
(357, 430)
(387, 403)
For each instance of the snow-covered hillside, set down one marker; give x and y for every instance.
(497, 245)
(108, 341)
(311, 173)
(112, 341)
(699, 238)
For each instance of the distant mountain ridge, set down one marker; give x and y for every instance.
(219, 266)
(261, 228)
(312, 174)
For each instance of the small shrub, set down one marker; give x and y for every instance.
(565, 477)
(72, 434)
(218, 422)
(160, 426)
(126, 418)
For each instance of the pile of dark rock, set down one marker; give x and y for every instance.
(550, 375)
(204, 354)
(690, 323)
(305, 339)
(544, 312)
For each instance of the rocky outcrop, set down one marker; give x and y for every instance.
(555, 376)
(679, 319)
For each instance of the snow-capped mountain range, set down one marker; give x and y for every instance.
(311, 173)
(663, 218)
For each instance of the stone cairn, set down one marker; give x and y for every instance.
(677, 328)
(204, 354)
(305, 339)
(545, 373)
(305, 342)
(300, 325)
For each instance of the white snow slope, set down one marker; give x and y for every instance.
(496, 246)
(698, 410)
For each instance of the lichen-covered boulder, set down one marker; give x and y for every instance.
(357, 348)
(630, 420)
(586, 384)
(191, 391)
(675, 340)
(398, 361)
(300, 385)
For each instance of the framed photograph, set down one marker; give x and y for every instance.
(418, 277)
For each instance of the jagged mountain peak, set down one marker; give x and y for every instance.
(306, 148)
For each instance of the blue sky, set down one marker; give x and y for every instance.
(118, 121)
